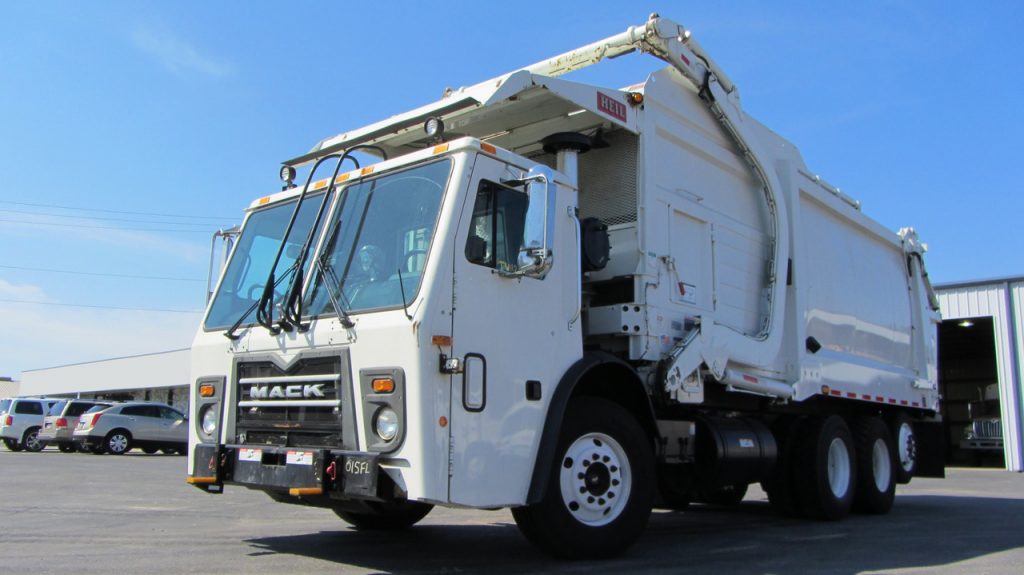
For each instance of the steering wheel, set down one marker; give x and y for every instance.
(412, 254)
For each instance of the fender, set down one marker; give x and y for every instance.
(633, 390)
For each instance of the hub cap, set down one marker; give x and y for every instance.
(838, 468)
(907, 447)
(595, 479)
(118, 443)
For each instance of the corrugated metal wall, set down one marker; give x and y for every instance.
(1000, 299)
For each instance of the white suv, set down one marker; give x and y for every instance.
(20, 421)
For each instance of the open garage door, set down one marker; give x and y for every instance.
(969, 385)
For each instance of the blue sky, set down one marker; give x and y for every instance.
(159, 122)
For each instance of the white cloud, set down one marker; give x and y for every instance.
(54, 336)
(23, 292)
(178, 55)
(192, 249)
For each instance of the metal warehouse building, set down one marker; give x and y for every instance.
(980, 349)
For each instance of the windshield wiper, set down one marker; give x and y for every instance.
(230, 333)
(292, 308)
(327, 273)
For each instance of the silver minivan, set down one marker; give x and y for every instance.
(62, 419)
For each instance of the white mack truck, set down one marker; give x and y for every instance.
(577, 302)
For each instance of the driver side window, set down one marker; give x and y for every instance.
(496, 233)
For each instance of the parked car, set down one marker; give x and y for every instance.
(61, 420)
(122, 427)
(20, 425)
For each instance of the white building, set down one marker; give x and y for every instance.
(153, 377)
(981, 341)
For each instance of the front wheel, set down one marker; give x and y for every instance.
(12, 445)
(389, 516)
(601, 488)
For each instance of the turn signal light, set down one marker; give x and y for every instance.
(207, 390)
(383, 385)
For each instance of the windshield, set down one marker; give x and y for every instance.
(254, 254)
(377, 244)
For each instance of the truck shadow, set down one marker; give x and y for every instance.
(922, 531)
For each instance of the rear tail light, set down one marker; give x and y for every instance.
(91, 422)
(61, 422)
(9, 420)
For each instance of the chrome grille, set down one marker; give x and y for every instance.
(298, 407)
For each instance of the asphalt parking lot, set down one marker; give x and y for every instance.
(78, 513)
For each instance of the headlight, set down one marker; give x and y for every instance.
(209, 419)
(386, 423)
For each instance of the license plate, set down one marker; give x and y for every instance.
(360, 475)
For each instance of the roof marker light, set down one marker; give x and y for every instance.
(434, 128)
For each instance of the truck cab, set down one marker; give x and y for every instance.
(413, 305)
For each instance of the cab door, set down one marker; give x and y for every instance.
(514, 328)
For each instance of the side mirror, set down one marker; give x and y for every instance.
(536, 256)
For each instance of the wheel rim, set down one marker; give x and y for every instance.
(595, 479)
(32, 441)
(907, 447)
(117, 443)
(881, 464)
(838, 467)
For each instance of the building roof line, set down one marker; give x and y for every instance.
(103, 360)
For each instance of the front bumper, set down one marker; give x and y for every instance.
(297, 471)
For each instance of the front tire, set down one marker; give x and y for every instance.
(12, 445)
(31, 440)
(601, 489)
(826, 470)
(391, 516)
(876, 467)
(117, 442)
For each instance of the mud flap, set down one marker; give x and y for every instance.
(931, 449)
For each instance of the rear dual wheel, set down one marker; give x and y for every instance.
(876, 466)
(600, 490)
(826, 468)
